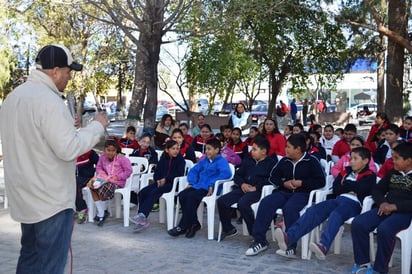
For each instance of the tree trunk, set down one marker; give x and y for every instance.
(380, 92)
(396, 58)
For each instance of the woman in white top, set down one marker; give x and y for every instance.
(241, 118)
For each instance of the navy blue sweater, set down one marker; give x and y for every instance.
(307, 169)
(255, 173)
(169, 168)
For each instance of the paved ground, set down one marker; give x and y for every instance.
(116, 249)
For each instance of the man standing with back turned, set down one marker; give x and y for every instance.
(40, 147)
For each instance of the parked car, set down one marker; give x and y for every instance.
(259, 112)
(373, 107)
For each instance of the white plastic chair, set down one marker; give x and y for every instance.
(132, 184)
(325, 165)
(210, 202)
(127, 151)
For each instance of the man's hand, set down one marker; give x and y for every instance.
(101, 118)
(210, 192)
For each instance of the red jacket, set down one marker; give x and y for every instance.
(277, 144)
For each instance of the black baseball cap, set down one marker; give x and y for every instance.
(52, 56)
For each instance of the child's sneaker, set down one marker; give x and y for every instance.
(281, 238)
(364, 268)
(136, 219)
(141, 226)
(319, 250)
(81, 216)
(288, 253)
(229, 234)
(155, 207)
(255, 248)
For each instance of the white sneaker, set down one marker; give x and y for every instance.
(289, 253)
(256, 248)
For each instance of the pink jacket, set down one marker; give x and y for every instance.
(229, 155)
(120, 167)
(344, 162)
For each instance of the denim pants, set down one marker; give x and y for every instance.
(291, 204)
(337, 211)
(244, 201)
(44, 245)
(190, 199)
(149, 195)
(387, 228)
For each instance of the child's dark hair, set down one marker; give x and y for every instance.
(184, 125)
(169, 143)
(408, 118)
(340, 130)
(363, 152)
(290, 127)
(383, 116)
(275, 130)
(350, 127)
(404, 150)
(177, 130)
(206, 126)
(220, 136)
(377, 133)
(358, 138)
(164, 117)
(238, 130)
(131, 128)
(329, 126)
(315, 128)
(144, 135)
(112, 141)
(215, 143)
(223, 127)
(394, 128)
(298, 125)
(255, 128)
(298, 140)
(262, 142)
(317, 134)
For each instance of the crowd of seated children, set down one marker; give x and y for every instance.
(186, 150)
(294, 176)
(199, 142)
(170, 166)
(226, 152)
(393, 213)
(201, 179)
(249, 179)
(342, 146)
(112, 170)
(129, 141)
(350, 187)
(85, 169)
(344, 161)
(383, 151)
(163, 130)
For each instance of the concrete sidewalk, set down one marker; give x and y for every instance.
(116, 249)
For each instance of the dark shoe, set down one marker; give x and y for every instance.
(101, 220)
(229, 234)
(192, 230)
(176, 231)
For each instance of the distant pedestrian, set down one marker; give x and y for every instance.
(305, 109)
(293, 110)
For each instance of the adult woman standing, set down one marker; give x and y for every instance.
(163, 130)
(241, 118)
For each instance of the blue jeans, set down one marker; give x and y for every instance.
(337, 210)
(44, 245)
(387, 228)
(149, 195)
(291, 204)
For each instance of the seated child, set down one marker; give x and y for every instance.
(186, 150)
(393, 213)
(201, 178)
(112, 168)
(388, 165)
(312, 145)
(383, 151)
(253, 132)
(343, 146)
(344, 161)
(339, 132)
(294, 176)
(129, 141)
(252, 175)
(328, 140)
(185, 130)
(237, 145)
(85, 169)
(406, 129)
(171, 165)
(351, 186)
(288, 131)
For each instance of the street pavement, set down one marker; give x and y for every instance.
(116, 249)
